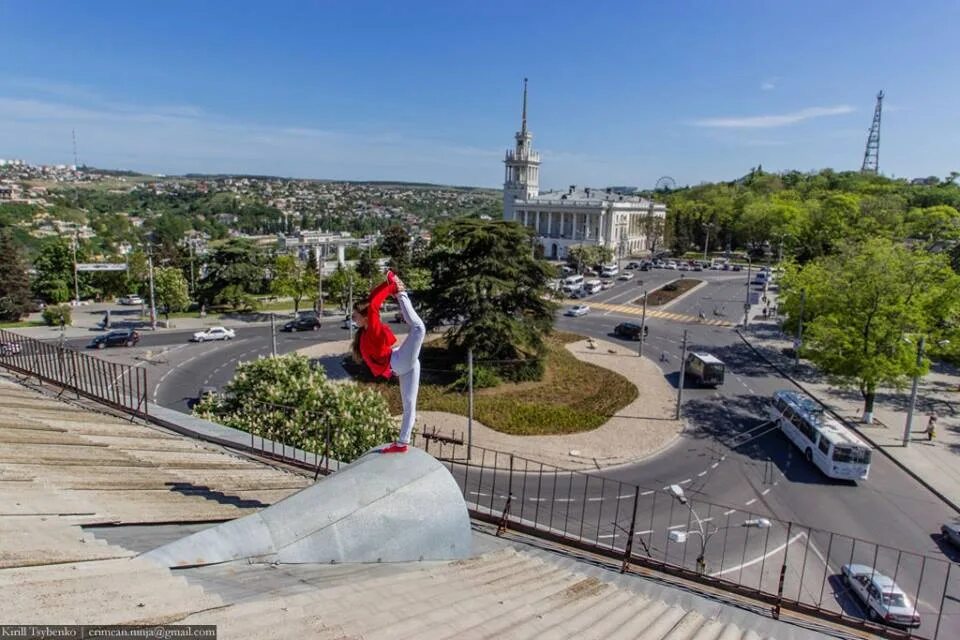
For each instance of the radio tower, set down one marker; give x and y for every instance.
(76, 161)
(871, 156)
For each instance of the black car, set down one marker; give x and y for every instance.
(119, 338)
(303, 323)
(627, 330)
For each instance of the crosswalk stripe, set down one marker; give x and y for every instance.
(654, 313)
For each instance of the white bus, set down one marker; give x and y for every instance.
(592, 286)
(572, 284)
(825, 442)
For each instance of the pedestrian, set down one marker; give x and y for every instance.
(663, 356)
(646, 331)
(931, 427)
(701, 316)
(375, 345)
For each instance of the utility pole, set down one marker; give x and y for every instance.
(913, 392)
(798, 341)
(469, 403)
(273, 333)
(746, 302)
(350, 308)
(683, 371)
(76, 279)
(643, 324)
(706, 240)
(153, 305)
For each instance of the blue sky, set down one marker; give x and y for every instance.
(621, 93)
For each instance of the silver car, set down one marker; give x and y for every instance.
(952, 533)
(884, 600)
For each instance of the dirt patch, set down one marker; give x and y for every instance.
(669, 292)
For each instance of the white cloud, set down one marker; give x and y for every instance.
(769, 121)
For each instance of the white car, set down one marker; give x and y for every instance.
(131, 299)
(625, 276)
(672, 265)
(578, 310)
(214, 333)
(884, 600)
(606, 284)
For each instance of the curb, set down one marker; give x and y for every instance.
(950, 503)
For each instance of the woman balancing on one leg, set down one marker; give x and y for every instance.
(375, 344)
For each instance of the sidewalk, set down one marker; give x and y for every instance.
(933, 464)
(640, 430)
(86, 322)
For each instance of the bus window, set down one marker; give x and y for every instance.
(824, 446)
(851, 454)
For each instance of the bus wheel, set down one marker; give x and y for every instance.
(809, 455)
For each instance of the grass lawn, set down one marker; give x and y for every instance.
(573, 396)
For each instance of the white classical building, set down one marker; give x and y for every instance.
(577, 216)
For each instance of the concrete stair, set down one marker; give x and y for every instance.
(502, 594)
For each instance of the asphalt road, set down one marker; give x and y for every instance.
(733, 467)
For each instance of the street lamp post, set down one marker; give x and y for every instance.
(706, 239)
(643, 325)
(704, 531)
(683, 367)
(746, 302)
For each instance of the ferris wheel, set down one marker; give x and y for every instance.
(666, 183)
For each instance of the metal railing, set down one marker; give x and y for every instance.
(784, 564)
(120, 386)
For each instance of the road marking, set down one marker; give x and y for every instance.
(701, 474)
(760, 558)
(750, 501)
(564, 500)
(765, 492)
(478, 493)
(643, 533)
(646, 493)
(537, 499)
(714, 465)
(607, 535)
(688, 480)
(676, 526)
(595, 499)
(726, 513)
(625, 496)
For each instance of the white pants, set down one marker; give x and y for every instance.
(405, 362)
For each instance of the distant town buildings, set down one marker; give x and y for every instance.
(577, 216)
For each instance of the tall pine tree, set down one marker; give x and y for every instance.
(14, 281)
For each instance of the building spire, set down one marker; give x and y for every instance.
(523, 124)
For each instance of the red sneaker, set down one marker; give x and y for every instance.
(391, 277)
(396, 447)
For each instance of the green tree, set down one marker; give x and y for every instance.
(484, 275)
(396, 246)
(286, 399)
(293, 278)
(934, 224)
(865, 308)
(170, 290)
(54, 269)
(234, 274)
(14, 281)
(367, 265)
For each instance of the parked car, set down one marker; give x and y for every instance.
(578, 310)
(303, 323)
(606, 284)
(628, 330)
(625, 276)
(952, 533)
(737, 267)
(645, 266)
(9, 348)
(131, 299)
(206, 391)
(117, 338)
(214, 333)
(883, 599)
(348, 323)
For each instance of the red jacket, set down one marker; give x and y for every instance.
(377, 339)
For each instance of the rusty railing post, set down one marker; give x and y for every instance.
(633, 527)
(502, 525)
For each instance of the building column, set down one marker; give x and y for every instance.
(536, 222)
(550, 224)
